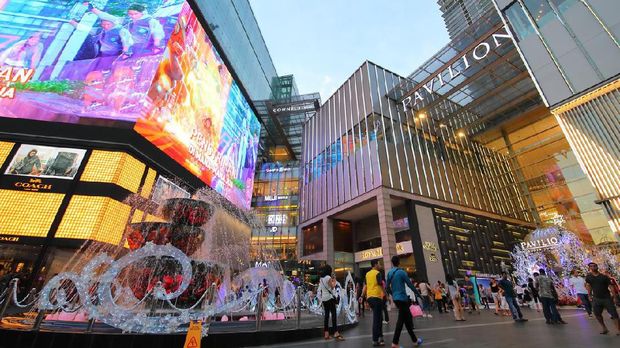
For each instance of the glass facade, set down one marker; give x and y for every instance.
(234, 26)
(361, 139)
(458, 15)
(573, 59)
(575, 45)
(276, 185)
(276, 200)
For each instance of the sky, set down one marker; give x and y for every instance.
(322, 42)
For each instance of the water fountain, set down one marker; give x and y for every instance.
(195, 263)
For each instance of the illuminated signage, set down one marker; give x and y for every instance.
(293, 108)
(430, 246)
(33, 185)
(275, 198)
(437, 81)
(543, 243)
(278, 170)
(277, 219)
(433, 257)
(402, 248)
(9, 239)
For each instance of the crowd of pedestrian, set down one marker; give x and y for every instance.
(596, 292)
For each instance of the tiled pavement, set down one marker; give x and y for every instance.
(484, 330)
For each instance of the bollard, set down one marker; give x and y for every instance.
(38, 320)
(299, 308)
(259, 310)
(91, 324)
(9, 297)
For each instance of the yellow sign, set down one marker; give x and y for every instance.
(194, 335)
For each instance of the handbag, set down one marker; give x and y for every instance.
(416, 311)
(335, 297)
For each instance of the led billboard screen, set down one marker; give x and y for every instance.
(199, 116)
(72, 61)
(149, 63)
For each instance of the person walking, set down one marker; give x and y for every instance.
(598, 286)
(534, 292)
(373, 291)
(511, 298)
(330, 300)
(548, 297)
(397, 280)
(578, 285)
(455, 297)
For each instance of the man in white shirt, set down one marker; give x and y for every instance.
(578, 285)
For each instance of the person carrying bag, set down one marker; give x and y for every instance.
(397, 280)
(330, 301)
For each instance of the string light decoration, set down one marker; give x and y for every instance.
(559, 251)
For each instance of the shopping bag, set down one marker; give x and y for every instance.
(416, 311)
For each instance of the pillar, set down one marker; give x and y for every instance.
(328, 241)
(386, 228)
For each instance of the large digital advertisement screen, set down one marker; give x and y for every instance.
(199, 116)
(74, 61)
(149, 63)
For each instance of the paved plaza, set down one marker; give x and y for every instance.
(480, 331)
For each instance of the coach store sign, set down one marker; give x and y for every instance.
(402, 248)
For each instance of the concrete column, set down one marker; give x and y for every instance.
(328, 241)
(386, 228)
(430, 244)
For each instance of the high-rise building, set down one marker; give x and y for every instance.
(571, 49)
(278, 174)
(447, 168)
(458, 15)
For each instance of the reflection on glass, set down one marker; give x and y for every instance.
(518, 20)
(540, 10)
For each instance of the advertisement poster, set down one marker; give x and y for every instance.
(75, 61)
(198, 115)
(46, 162)
(166, 189)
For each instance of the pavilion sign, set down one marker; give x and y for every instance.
(478, 53)
(543, 243)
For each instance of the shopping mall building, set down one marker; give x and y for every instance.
(498, 133)
(83, 128)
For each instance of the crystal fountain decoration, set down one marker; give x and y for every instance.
(190, 267)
